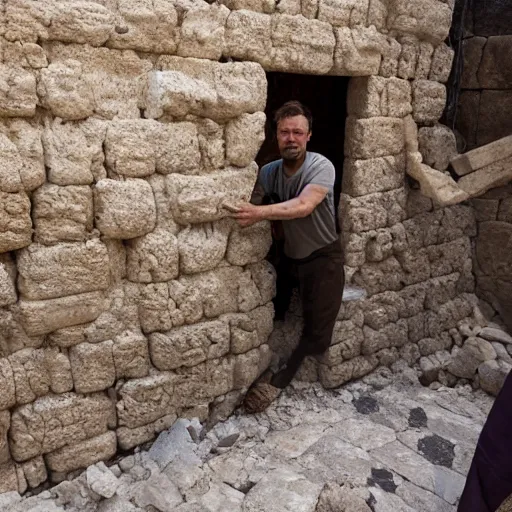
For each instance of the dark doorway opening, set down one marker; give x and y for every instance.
(326, 97)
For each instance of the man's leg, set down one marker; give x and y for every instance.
(321, 282)
(285, 283)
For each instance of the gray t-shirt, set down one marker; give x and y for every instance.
(303, 236)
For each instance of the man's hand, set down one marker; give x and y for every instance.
(248, 214)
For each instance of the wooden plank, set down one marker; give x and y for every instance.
(483, 156)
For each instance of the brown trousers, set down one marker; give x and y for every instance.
(320, 279)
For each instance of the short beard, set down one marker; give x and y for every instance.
(291, 155)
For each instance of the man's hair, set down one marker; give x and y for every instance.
(292, 109)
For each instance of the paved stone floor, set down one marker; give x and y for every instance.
(384, 444)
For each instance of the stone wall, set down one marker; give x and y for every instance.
(128, 296)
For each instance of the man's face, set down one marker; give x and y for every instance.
(292, 137)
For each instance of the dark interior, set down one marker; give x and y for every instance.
(326, 97)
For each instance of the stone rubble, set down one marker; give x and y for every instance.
(379, 444)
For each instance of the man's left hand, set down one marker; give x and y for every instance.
(249, 214)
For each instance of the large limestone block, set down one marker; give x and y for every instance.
(343, 13)
(437, 146)
(493, 119)
(44, 316)
(196, 199)
(59, 370)
(75, 22)
(494, 68)
(202, 32)
(215, 90)
(31, 377)
(334, 376)
(424, 62)
(128, 438)
(429, 100)
(63, 269)
(55, 421)
(62, 214)
(248, 36)
(138, 148)
(15, 221)
(21, 151)
(189, 345)
(442, 61)
(82, 454)
(249, 245)
(244, 137)
(143, 401)
(493, 375)
(211, 145)
(153, 257)
(92, 365)
(202, 247)
(300, 45)
(493, 250)
(490, 176)
(361, 177)
(148, 27)
(124, 209)
(131, 356)
(391, 55)
(18, 97)
(408, 58)
(73, 152)
(358, 51)
(250, 365)
(374, 137)
(81, 81)
(425, 19)
(376, 96)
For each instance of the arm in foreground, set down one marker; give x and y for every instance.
(296, 208)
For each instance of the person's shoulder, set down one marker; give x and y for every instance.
(317, 160)
(270, 168)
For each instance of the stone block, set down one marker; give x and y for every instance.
(393, 49)
(466, 360)
(31, 377)
(18, 97)
(415, 266)
(128, 438)
(362, 177)
(472, 50)
(248, 35)
(143, 401)
(492, 375)
(380, 276)
(81, 80)
(429, 100)
(67, 337)
(7, 289)
(9, 479)
(62, 214)
(202, 31)
(92, 365)
(249, 245)
(376, 96)
(15, 221)
(469, 104)
(250, 330)
(219, 91)
(425, 52)
(494, 69)
(211, 145)
(437, 146)
(189, 345)
(335, 376)
(249, 366)
(300, 45)
(194, 199)
(442, 61)
(59, 370)
(258, 6)
(34, 471)
(54, 421)
(492, 249)
(347, 339)
(449, 257)
(490, 176)
(486, 209)
(244, 137)
(61, 270)
(82, 454)
(44, 316)
(202, 247)
(504, 212)
(429, 20)
(343, 13)
(131, 355)
(493, 123)
(358, 51)
(5, 423)
(136, 148)
(374, 137)
(124, 209)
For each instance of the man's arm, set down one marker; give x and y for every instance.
(296, 208)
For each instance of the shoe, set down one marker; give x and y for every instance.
(261, 394)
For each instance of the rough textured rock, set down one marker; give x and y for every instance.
(437, 145)
(244, 137)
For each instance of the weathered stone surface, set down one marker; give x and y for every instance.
(472, 49)
(467, 359)
(61, 270)
(15, 221)
(137, 148)
(202, 247)
(437, 145)
(153, 257)
(493, 334)
(258, 6)
(429, 100)
(494, 70)
(7, 289)
(209, 89)
(492, 375)
(441, 63)
(18, 97)
(34, 471)
(249, 245)
(124, 209)
(101, 480)
(335, 498)
(130, 437)
(159, 492)
(244, 137)
(92, 365)
(362, 141)
(62, 214)
(490, 176)
(493, 123)
(379, 97)
(82, 454)
(334, 376)
(72, 418)
(131, 356)
(362, 177)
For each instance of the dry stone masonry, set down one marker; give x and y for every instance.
(128, 297)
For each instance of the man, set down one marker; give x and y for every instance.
(301, 185)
